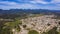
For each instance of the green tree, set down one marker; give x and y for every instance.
(7, 28)
(52, 31)
(33, 32)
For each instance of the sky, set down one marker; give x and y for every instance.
(30, 4)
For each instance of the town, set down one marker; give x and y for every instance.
(40, 24)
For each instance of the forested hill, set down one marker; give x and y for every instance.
(35, 11)
(22, 12)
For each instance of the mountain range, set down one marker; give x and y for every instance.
(21, 12)
(34, 11)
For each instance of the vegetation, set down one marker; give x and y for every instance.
(24, 26)
(33, 32)
(52, 31)
(35, 15)
(6, 28)
(6, 31)
(48, 24)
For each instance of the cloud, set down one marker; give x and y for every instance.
(12, 5)
(30, 4)
(45, 1)
(55, 1)
(34, 1)
(41, 2)
(8, 3)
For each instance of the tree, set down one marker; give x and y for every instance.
(33, 32)
(52, 31)
(13, 25)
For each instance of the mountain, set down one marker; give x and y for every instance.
(34, 11)
(23, 12)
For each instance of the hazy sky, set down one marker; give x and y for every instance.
(30, 4)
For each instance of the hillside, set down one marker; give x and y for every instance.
(12, 13)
